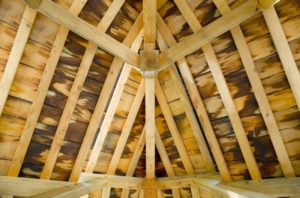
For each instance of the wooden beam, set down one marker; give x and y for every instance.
(196, 100)
(125, 134)
(266, 3)
(150, 127)
(278, 187)
(260, 94)
(87, 31)
(114, 181)
(166, 161)
(28, 187)
(180, 89)
(284, 51)
(134, 161)
(127, 128)
(222, 86)
(41, 93)
(15, 55)
(199, 39)
(174, 130)
(149, 13)
(76, 190)
(150, 188)
(183, 181)
(226, 191)
(161, 98)
(102, 102)
(76, 89)
(111, 109)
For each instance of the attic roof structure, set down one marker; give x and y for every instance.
(146, 98)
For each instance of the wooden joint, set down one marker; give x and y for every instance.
(149, 62)
(35, 4)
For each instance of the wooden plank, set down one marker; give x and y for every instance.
(199, 39)
(111, 109)
(260, 94)
(41, 93)
(173, 128)
(150, 127)
(16, 54)
(85, 30)
(197, 102)
(284, 51)
(266, 3)
(102, 103)
(75, 91)
(166, 161)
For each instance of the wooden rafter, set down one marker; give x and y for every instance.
(134, 161)
(125, 134)
(166, 161)
(41, 93)
(284, 51)
(199, 39)
(189, 112)
(87, 31)
(162, 101)
(260, 94)
(197, 101)
(111, 109)
(76, 89)
(222, 86)
(16, 53)
(174, 132)
(102, 102)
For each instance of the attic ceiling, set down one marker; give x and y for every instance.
(204, 86)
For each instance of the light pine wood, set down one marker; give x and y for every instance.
(284, 51)
(149, 13)
(199, 39)
(111, 109)
(260, 94)
(166, 161)
(16, 53)
(102, 102)
(162, 101)
(222, 86)
(41, 93)
(196, 100)
(125, 134)
(266, 3)
(150, 127)
(135, 158)
(75, 91)
(28, 187)
(127, 129)
(87, 31)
